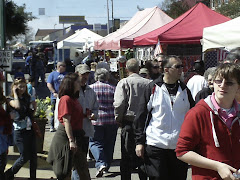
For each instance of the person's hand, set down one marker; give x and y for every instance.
(92, 116)
(14, 88)
(55, 95)
(73, 146)
(140, 150)
(226, 172)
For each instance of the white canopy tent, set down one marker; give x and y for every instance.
(225, 35)
(80, 39)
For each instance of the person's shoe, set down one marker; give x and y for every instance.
(9, 175)
(105, 171)
(52, 129)
(100, 171)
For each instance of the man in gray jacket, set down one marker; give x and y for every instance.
(126, 100)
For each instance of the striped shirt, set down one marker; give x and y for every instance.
(105, 96)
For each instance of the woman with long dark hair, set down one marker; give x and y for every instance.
(24, 136)
(66, 148)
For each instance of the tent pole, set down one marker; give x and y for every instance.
(107, 18)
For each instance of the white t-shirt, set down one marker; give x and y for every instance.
(195, 84)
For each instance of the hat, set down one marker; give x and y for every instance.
(82, 68)
(143, 71)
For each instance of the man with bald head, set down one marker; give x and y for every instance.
(53, 83)
(126, 101)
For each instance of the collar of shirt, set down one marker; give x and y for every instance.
(223, 114)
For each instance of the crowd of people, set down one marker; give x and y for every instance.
(166, 125)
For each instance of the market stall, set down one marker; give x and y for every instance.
(142, 22)
(225, 35)
(186, 29)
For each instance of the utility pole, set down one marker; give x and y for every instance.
(112, 18)
(107, 18)
(2, 24)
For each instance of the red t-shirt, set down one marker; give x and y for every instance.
(69, 106)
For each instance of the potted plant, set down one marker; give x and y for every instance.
(41, 115)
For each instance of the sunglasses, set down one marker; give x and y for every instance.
(177, 66)
(227, 83)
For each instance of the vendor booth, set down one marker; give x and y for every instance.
(182, 35)
(83, 40)
(141, 23)
(225, 35)
(186, 29)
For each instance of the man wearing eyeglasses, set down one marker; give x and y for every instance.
(53, 83)
(160, 115)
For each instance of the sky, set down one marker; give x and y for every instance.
(95, 11)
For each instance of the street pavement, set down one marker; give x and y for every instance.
(44, 170)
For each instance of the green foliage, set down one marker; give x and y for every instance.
(16, 19)
(232, 9)
(174, 8)
(128, 54)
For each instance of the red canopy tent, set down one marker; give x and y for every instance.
(186, 29)
(141, 23)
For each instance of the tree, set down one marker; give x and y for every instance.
(16, 19)
(232, 9)
(174, 8)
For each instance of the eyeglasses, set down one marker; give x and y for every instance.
(63, 65)
(176, 66)
(227, 83)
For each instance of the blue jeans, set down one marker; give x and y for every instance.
(25, 141)
(102, 144)
(53, 103)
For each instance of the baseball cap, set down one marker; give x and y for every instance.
(82, 68)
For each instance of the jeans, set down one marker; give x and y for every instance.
(102, 144)
(53, 103)
(25, 141)
(3, 162)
